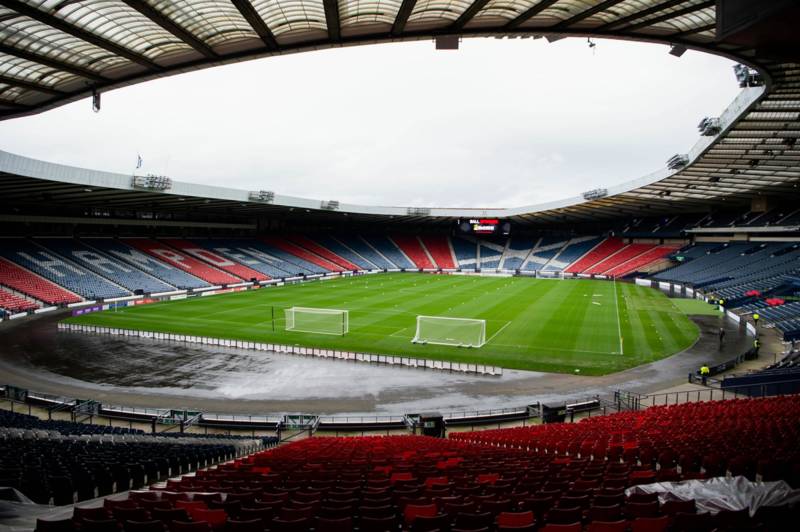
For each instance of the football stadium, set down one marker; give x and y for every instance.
(186, 356)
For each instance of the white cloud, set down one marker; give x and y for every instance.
(497, 123)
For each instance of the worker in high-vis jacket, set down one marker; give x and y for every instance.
(756, 317)
(705, 371)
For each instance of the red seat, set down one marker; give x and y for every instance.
(650, 524)
(412, 511)
(572, 527)
(515, 519)
(608, 526)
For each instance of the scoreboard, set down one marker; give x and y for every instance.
(484, 226)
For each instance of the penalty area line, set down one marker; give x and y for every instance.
(498, 332)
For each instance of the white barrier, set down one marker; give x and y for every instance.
(45, 309)
(751, 330)
(643, 282)
(82, 303)
(663, 285)
(733, 316)
(369, 358)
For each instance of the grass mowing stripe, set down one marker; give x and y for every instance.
(535, 324)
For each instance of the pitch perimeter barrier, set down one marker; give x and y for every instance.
(371, 358)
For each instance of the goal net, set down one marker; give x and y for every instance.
(440, 330)
(317, 320)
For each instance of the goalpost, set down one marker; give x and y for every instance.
(317, 320)
(440, 330)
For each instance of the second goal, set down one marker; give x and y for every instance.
(317, 320)
(441, 330)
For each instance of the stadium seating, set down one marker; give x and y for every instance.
(536, 477)
(490, 254)
(170, 255)
(61, 468)
(194, 249)
(100, 263)
(295, 264)
(360, 247)
(572, 251)
(248, 253)
(629, 252)
(339, 249)
(439, 248)
(516, 252)
(466, 252)
(321, 265)
(67, 274)
(324, 252)
(22, 280)
(599, 253)
(13, 303)
(641, 261)
(148, 264)
(544, 253)
(414, 250)
(389, 250)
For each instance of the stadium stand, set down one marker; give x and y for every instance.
(194, 249)
(516, 252)
(290, 262)
(572, 251)
(166, 253)
(440, 249)
(599, 253)
(13, 303)
(21, 280)
(545, 251)
(122, 273)
(67, 274)
(148, 264)
(466, 252)
(359, 246)
(490, 254)
(323, 252)
(654, 253)
(388, 249)
(414, 250)
(535, 477)
(341, 250)
(319, 264)
(244, 251)
(619, 258)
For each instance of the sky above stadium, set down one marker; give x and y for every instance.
(499, 123)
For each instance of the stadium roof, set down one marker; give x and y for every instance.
(56, 51)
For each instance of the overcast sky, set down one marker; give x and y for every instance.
(499, 123)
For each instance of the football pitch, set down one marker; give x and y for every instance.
(597, 327)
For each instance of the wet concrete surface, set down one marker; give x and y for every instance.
(149, 373)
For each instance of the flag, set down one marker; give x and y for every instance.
(138, 161)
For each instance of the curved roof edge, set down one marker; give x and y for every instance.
(39, 169)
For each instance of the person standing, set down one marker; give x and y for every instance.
(721, 336)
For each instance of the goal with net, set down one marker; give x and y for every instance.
(317, 320)
(442, 330)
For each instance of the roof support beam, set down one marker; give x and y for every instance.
(668, 16)
(639, 14)
(468, 14)
(599, 8)
(12, 105)
(46, 61)
(406, 8)
(31, 86)
(529, 14)
(699, 29)
(332, 19)
(256, 22)
(167, 24)
(61, 25)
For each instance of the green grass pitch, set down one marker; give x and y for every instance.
(597, 327)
